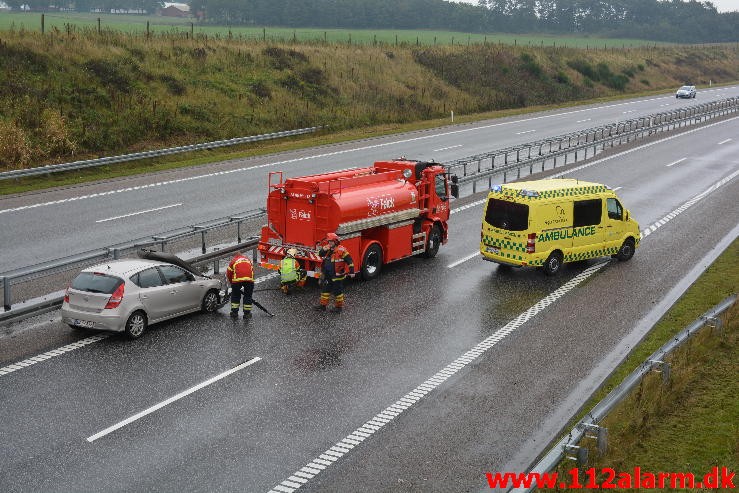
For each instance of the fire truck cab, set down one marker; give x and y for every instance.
(383, 213)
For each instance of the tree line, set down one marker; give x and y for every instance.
(679, 21)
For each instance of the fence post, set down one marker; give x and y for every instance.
(6, 293)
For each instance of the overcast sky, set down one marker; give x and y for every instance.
(721, 5)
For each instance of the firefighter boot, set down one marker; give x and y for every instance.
(234, 314)
(319, 308)
(336, 309)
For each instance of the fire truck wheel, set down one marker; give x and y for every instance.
(372, 262)
(434, 241)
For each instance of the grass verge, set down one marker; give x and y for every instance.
(192, 159)
(690, 424)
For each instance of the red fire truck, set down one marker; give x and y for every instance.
(383, 213)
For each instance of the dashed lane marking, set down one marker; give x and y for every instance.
(137, 213)
(675, 162)
(346, 444)
(172, 399)
(328, 154)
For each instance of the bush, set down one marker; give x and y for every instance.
(15, 150)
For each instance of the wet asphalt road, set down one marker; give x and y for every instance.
(51, 224)
(322, 376)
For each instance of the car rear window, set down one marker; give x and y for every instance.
(507, 215)
(96, 282)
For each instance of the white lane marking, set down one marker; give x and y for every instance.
(525, 132)
(137, 213)
(172, 399)
(724, 141)
(675, 162)
(50, 354)
(583, 121)
(467, 206)
(83, 342)
(404, 403)
(463, 260)
(600, 161)
(643, 146)
(626, 112)
(358, 149)
(344, 446)
(616, 189)
(447, 148)
(661, 222)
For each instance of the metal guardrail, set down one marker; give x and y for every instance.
(116, 251)
(473, 169)
(589, 424)
(89, 163)
(515, 158)
(54, 301)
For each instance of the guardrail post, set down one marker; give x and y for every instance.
(115, 254)
(6, 293)
(202, 235)
(238, 232)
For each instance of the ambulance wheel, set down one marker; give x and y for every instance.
(372, 262)
(553, 263)
(434, 242)
(626, 251)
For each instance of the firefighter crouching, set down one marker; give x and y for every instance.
(291, 274)
(240, 273)
(337, 263)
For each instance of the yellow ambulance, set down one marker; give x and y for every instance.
(545, 223)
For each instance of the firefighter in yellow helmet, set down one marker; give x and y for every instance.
(337, 263)
(291, 273)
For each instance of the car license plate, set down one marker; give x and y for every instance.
(84, 323)
(494, 250)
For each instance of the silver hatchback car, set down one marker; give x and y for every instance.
(129, 295)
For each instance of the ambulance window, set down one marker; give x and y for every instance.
(507, 215)
(587, 212)
(614, 209)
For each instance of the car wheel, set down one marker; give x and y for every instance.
(372, 262)
(626, 251)
(434, 242)
(136, 324)
(210, 301)
(553, 263)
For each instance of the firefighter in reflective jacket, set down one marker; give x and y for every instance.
(291, 274)
(337, 263)
(240, 274)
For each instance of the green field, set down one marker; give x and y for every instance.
(169, 25)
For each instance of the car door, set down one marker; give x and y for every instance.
(588, 232)
(154, 293)
(187, 292)
(615, 224)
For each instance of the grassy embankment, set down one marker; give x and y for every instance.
(692, 423)
(77, 94)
